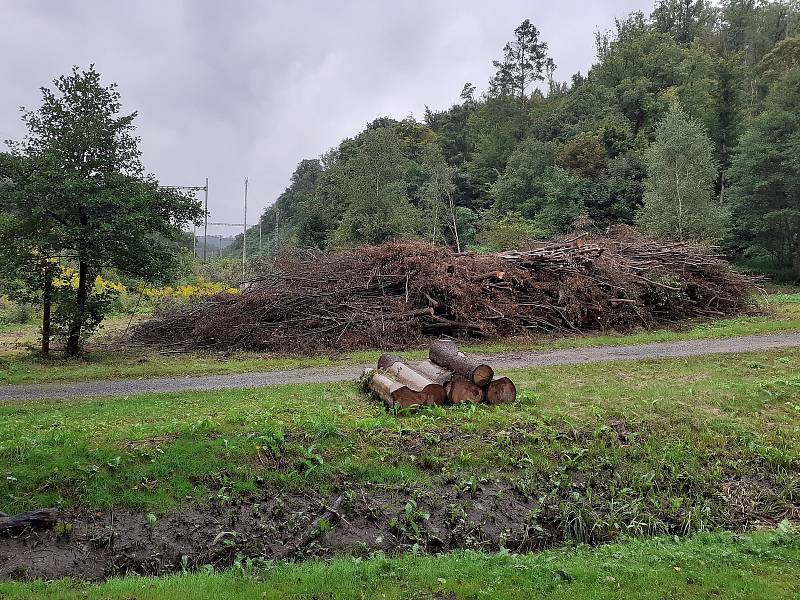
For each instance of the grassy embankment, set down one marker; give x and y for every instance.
(711, 443)
(695, 426)
(754, 567)
(19, 365)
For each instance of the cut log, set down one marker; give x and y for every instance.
(432, 392)
(396, 395)
(489, 275)
(459, 388)
(501, 390)
(43, 517)
(434, 372)
(386, 388)
(445, 354)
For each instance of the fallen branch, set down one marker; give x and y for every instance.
(43, 517)
(331, 513)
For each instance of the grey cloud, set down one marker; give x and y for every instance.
(235, 88)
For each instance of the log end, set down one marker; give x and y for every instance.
(501, 390)
(482, 375)
(435, 395)
(461, 390)
(405, 398)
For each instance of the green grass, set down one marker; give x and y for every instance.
(753, 567)
(697, 425)
(21, 366)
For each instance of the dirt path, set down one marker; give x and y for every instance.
(513, 360)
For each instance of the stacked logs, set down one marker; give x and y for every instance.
(448, 376)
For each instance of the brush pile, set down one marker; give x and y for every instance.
(402, 295)
(446, 377)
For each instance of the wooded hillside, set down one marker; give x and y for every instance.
(686, 125)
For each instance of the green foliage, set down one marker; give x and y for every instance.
(584, 155)
(511, 231)
(522, 184)
(80, 196)
(765, 176)
(684, 20)
(378, 208)
(680, 175)
(520, 160)
(539, 160)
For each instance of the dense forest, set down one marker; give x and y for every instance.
(687, 126)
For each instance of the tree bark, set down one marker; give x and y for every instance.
(455, 224)
(44, 517)
(74, 338)
(396, 395)
(47, 301)
(501, 390)
(434, 372)
(459, 389)
(430, 391)
(445, 353)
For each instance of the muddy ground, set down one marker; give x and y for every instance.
(96, 546)
(485, 515)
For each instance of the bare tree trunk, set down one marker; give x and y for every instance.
(680, 201)
(453, 215)
(47, 299)
(74, 338)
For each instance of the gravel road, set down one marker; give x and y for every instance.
(129, 387)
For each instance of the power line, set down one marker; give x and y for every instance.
(196, 188)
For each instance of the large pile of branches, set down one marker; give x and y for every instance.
(400, 295)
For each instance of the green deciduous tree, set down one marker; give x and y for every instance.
(585, 155)
(439, 196)
(378, 208)
(783, 58)
(521, 186)
(684, 20)
(87, 199)
(28, 255)
(680, 176)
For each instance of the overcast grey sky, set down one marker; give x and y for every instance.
(231, 88)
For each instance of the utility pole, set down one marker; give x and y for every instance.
(259, 235)
(244, 237)
(205, 224)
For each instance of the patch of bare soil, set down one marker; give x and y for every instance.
(455, 515)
